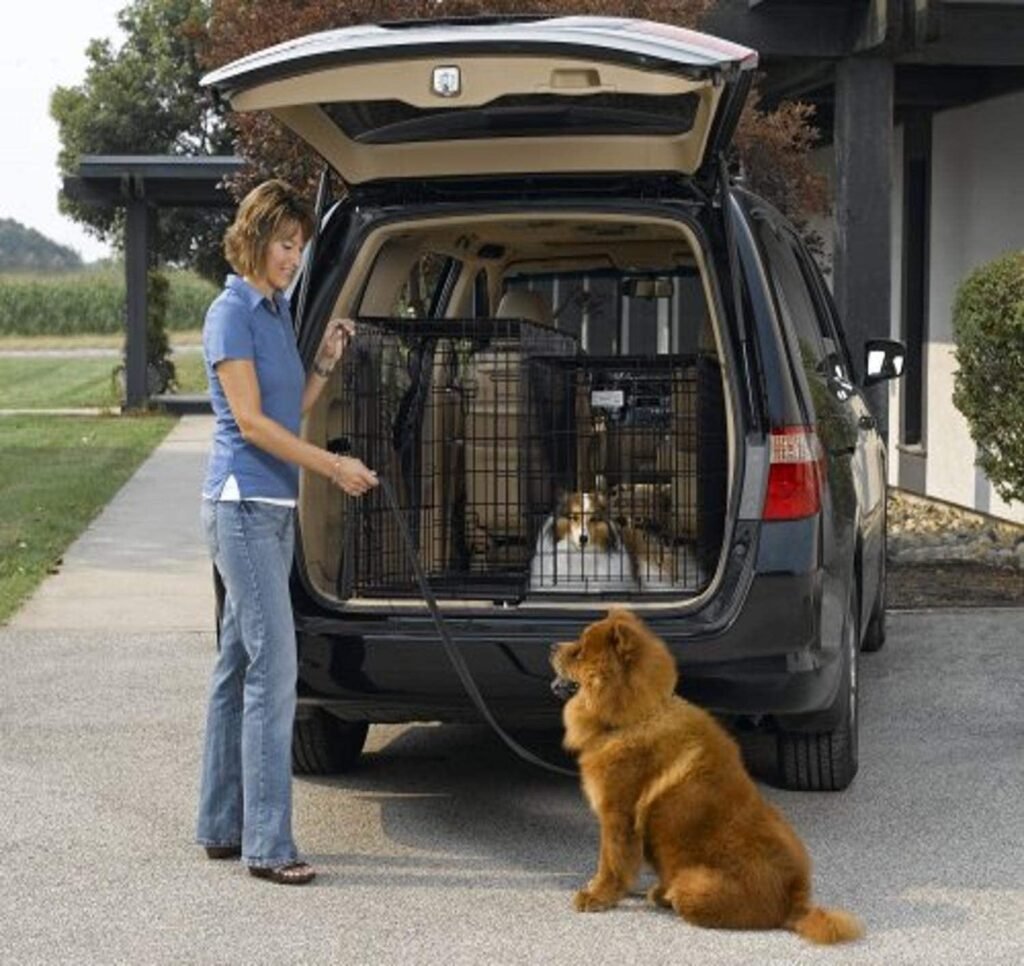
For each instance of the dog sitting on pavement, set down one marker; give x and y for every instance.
(668, 785)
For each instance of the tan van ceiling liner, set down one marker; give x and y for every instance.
(295, 101)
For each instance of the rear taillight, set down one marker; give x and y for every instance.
(796, 474)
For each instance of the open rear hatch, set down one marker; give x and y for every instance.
(487, 422)
(562, 95)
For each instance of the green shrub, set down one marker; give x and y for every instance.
(158, 347)
(92, 302)
(988, 327)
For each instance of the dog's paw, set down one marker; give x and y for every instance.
(587, 901)
(656, 896)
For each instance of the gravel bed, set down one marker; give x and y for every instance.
(942, 555)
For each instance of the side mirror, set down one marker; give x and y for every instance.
(883, 359)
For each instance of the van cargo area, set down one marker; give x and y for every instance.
(571, 444)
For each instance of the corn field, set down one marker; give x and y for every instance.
(91, 302)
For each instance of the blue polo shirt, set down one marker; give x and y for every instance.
(242, 323)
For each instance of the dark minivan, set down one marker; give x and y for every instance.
(592, 370)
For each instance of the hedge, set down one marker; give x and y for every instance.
(91, 302)
(988, 328)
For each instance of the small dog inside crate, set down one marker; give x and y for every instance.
(641, 510)
(582, 519)
(580, 548)
(655, 560)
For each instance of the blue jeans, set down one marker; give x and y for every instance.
(245, 793)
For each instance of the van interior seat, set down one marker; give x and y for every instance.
(501, 478)
(521, 303)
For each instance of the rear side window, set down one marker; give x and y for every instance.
(421, 292)
(796, 306)
(838, 356)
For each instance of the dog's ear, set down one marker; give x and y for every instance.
(561, 527)
(622, 631)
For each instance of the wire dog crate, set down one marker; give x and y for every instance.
(523, 467)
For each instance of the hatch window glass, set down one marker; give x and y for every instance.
(516, 115)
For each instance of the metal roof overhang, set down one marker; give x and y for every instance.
(160, 180)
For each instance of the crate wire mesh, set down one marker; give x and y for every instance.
(641, 473)
(492, 430)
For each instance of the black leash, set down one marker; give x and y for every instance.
(451, 650)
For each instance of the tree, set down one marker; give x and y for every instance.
(988, 327)
(774, 148)
(25, 249)
(773, 145)
(144, 98)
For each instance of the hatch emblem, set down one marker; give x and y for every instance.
(447, 81)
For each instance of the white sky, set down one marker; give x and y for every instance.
(44, 47)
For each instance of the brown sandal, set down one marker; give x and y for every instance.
(294, 873)
(223, 851)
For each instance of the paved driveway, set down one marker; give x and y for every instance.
(441, 849)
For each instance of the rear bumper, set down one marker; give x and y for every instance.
(759, 653)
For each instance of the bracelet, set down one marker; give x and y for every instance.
(323, 373)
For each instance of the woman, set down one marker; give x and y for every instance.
(259, 391)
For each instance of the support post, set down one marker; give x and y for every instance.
(863, 141)
(136, 263)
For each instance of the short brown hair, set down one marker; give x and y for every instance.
(271, 210)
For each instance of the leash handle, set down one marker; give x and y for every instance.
(456, 659)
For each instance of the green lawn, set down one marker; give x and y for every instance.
(56, 474)
(55, 383)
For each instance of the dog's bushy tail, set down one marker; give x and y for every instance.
(826, 926)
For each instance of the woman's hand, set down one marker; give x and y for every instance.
(335, 340)
(352, 476)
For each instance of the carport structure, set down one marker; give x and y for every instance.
(142, 184)
(902, 88)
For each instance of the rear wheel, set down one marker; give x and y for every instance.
(325, 745)
(826, 761)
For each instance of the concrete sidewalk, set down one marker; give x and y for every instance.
(141, 565)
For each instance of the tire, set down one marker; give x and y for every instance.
(325, 745)
(874, 634)
(826, 761)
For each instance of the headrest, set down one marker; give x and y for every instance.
(521, 303)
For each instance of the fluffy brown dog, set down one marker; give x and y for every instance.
(668, 785)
